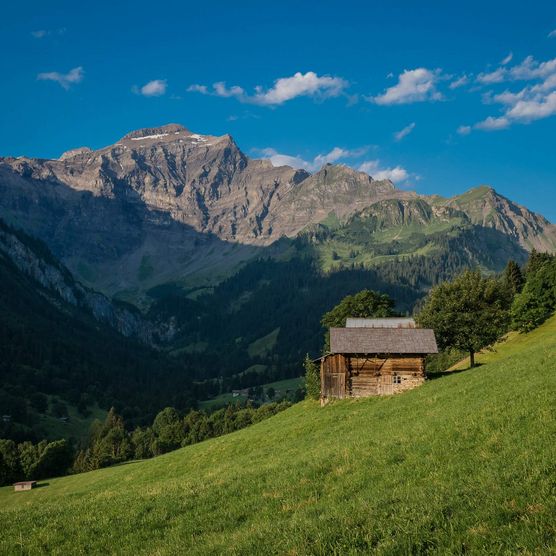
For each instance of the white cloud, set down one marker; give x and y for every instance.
(195, 88)
(40, 34)
(154, 88)
(464, 130)
(65, 80)
(532, 69)
(533, 102)
(459, 82)
(416, 85)
(396, 174)
(399, 135)
(308, 84)
(526, 70)
(279, 159)
(497, 76)
(295, 161)
(372, 167)
(549, 84)
(552, 34)
(333, 156)
(507, 59)
(492, 124)
(536, 108)
(221, 90)
(503, 98)
(284, 89)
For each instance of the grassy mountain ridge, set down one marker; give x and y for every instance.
(397, 229)
(463, 464)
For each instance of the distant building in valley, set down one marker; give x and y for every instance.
(24, 485)
(375, 357)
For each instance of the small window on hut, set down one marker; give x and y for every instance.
(397, 379)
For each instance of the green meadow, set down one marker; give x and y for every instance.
(464, 464)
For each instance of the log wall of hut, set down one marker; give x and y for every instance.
(360, 376)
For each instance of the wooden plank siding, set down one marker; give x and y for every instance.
(334, 376)
(357, 376)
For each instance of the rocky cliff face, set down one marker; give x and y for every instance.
(167, 204)
(390, 213)
(59, 286)
(207, 183)
(202, 181)
(335, 189)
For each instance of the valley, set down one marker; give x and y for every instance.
(182, 243)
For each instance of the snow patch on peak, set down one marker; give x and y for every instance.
(156, 132)
(155, 136)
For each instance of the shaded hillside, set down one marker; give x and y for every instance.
(51, 343)
(463, 464)
(278, 303)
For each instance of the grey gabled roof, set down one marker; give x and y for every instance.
(382, 340)
(388, 322)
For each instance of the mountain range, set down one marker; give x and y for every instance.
(168, 205)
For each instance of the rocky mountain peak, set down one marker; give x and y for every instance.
(75, 152)
(156, 132)
(486, 207)
(340, 178)
(331, 173)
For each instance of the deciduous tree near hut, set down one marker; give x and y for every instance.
(364, 304)
(469, 313)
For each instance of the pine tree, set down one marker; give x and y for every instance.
(513, 278)
(537, 300)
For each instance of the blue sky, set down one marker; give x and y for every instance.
(439, 97)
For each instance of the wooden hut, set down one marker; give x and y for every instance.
(24, 485)
(374, 361)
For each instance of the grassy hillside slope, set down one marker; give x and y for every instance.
(466, 463)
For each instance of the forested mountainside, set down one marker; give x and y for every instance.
(57, 350)
(266, 317)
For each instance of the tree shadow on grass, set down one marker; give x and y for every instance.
(441, 374)
(127, 462)
(40, 485)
